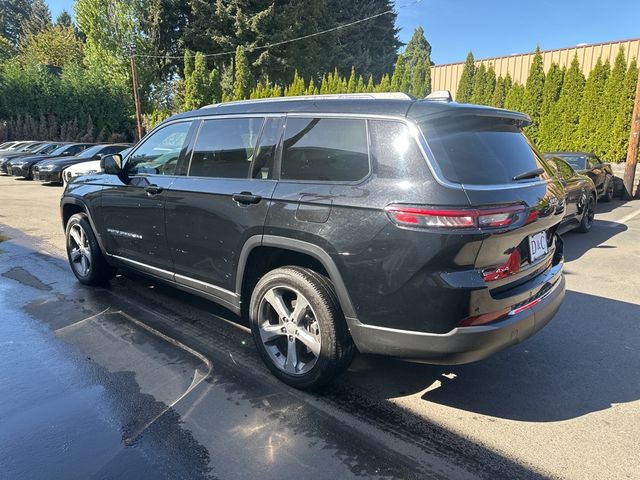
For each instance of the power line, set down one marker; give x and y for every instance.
(297, 39)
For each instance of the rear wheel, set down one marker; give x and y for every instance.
(298, 327)
(608, 189)
(587, 216)
(84, 254)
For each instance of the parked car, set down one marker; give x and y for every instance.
(589, 164)
(580, 196)
(419, 229)
(7, 145)
(23, 166)
(85, 168)
(50, 171)
(23, 149)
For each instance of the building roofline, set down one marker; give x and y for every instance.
(574, 47)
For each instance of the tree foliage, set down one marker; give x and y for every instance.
(465, 85)
(534, 90)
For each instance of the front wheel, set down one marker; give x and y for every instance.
(587, 216)
(84, 254)
(299, 328)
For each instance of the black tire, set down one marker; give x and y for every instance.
(336, 349)
(587, 216)
(97, 271)
(608, 189)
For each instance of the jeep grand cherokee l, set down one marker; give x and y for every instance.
(419, 229)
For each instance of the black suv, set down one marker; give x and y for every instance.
(421, 229)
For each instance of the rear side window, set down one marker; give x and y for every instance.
(224, 148)
(480, 150)
(325, 149)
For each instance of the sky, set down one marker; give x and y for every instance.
(492, 28)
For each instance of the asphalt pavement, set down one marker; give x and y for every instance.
(139, 380)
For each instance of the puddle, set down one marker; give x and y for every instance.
(22, 276)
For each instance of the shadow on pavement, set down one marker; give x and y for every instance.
(584, 361)
(577, 244)
(240, 407)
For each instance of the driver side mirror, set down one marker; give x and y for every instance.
(111, 164)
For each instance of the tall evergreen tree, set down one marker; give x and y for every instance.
(39, 19)
(568, 107)
(242, 83)
(64, 19)
(418, 86)
(12, 15)
(489, 85)
(478, 95)
(215, 89)
(533, 96)
(499, 93)
(465, 85)
(622, 124)
(610, 104)
(590, 107)
(550, 125)
(398, 76)
(515, 98)
(418, 49)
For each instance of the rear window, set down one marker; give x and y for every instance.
(480, 150)
(578, 162)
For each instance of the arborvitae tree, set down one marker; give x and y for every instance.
(568, 106)
(418, 87)
(311, 88)
(397, 78)
(242, 83)
(215, 89)
(465, 86)
(226, 82)
(324, 85)
(489, 85)
(477, 95)
(610, 104)
(622, 124)
(499, 94)
(534, 94)
(589, 108)
(370, 85)
(39, 19)
(351, 84)
(385, 84)
(515, 98)
(550, 125)
(427, 77)
(360, 88)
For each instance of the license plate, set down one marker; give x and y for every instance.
(537, 246)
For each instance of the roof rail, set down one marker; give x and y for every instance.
(332, 96)
(440, 96)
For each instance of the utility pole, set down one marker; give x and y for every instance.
(632, 150)
(136, 94)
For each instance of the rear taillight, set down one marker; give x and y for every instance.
(498, 217)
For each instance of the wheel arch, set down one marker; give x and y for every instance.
(311, 251)
(69, 206)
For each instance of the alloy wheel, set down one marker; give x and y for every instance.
(289, 330)
(79, 250)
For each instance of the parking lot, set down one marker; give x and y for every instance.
(141, 380)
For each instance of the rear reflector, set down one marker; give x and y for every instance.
(499, 217)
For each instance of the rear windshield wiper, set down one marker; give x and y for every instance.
(529, 174)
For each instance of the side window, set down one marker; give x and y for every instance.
(159, 153)
(263, 163)
(394, 150)
(325, 149)
(224, 148)
(73, 150)
(593, 162)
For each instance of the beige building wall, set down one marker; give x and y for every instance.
(446, 77)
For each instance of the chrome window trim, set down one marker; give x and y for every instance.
(414, 130)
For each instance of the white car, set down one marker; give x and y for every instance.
(84, 168)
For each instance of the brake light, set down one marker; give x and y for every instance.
(498, 217)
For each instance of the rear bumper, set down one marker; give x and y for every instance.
(462, 344)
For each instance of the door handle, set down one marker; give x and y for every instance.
(153, 189)
(246, 198)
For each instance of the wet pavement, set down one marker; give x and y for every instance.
(139, 380)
